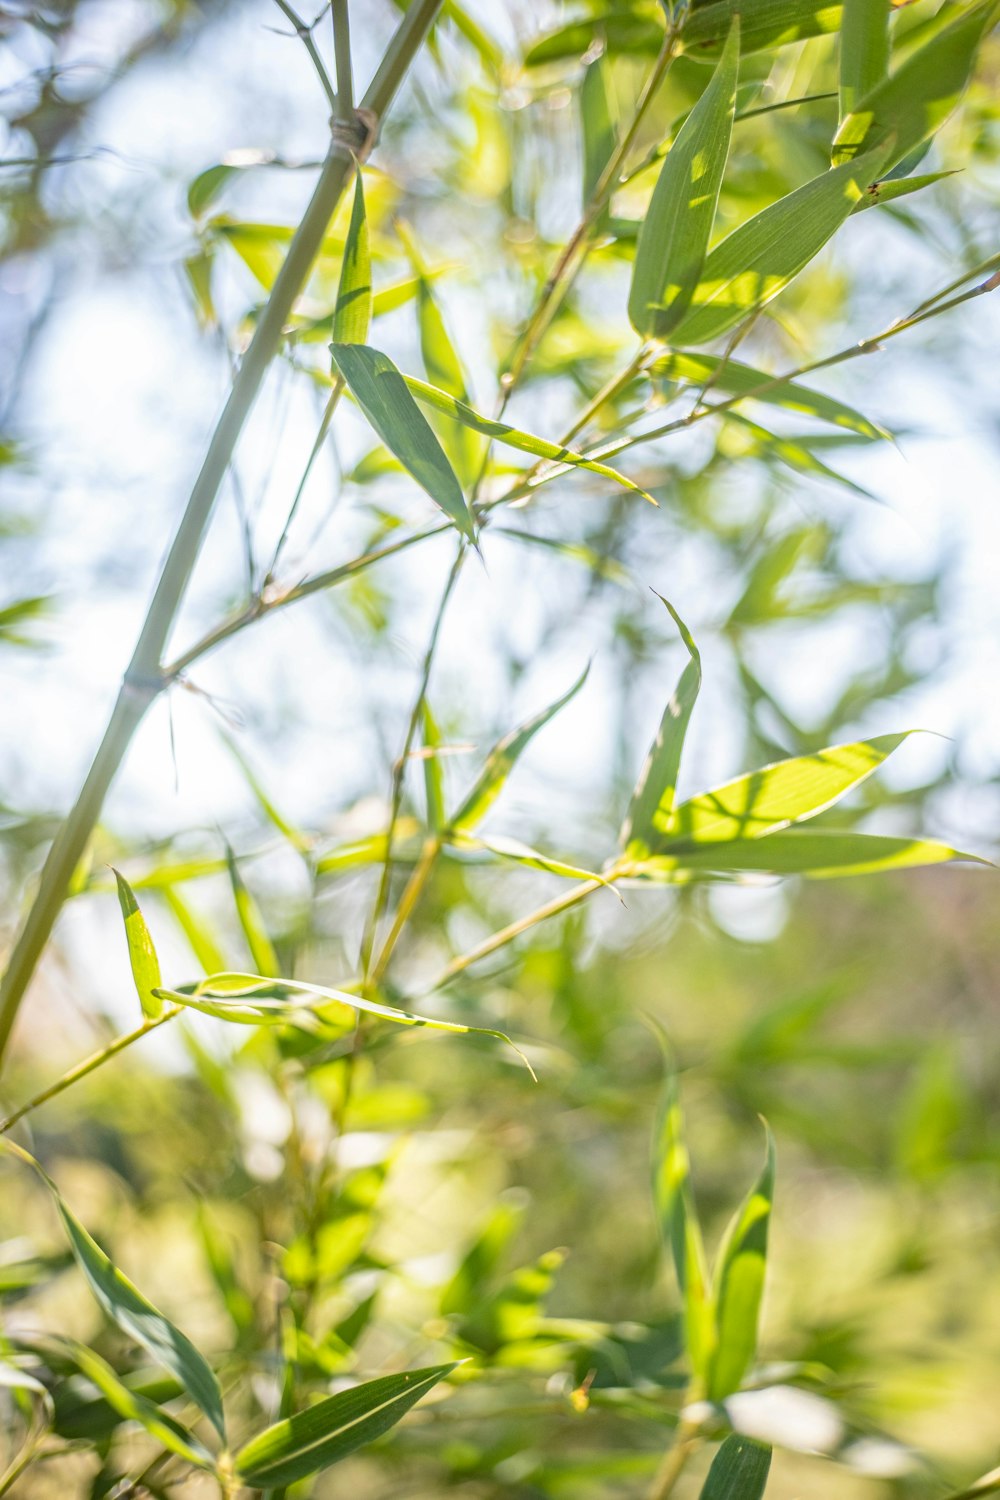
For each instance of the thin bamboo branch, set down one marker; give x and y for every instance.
(304, 33)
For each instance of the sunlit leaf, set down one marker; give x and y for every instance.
(141, 952)
(323, 1434)
(433, 770)
(792, 451)
(864, 50)
(764, 24)
(655, 793)
(503, 432)
(382, 393)
(739, 1470)
(739, 1285)
(131, 1406)
(818, 853)
(758, 260)
(516, 1309)
(466, 1289)
(889, 189)
(500, 762)
(914, 101)
(678, 1222)
(523, 854)
(674, 237)
(735, 379)
(262, 950)
(353, 312)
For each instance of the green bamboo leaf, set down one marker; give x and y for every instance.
(764, 24)
(503, 432)
(598, 125)
(914, 101)
(262, 950)
(864, 50)
(766, 801)
(141, 952)
(680, 1229)
(500, 762)
(466, 1289)
(353, 312)
(382, 394)
(817, 853)
(735, 379)
(793, 452)
(433, 769)
(322, 1435)
(739, 1284)
(889, 188)
(298, 840)
(752, 265)
(370, 850)
(739, 1470)
(131, 1406)
(125, 1305)
(516, 1310)
(653, 800)
(523, 854)
(261, 1000)
(674, 237)
(200, 937)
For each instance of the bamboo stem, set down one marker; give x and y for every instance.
(144, 679)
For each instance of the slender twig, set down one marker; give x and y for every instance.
(305, 35)
(419, 877)
(144, 679)
(333, 401)
(675, 1460)
(89, 1065)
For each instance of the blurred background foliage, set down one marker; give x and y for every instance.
(351, 1206)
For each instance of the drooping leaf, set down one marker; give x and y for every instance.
(739, 1284)
(791, 451)
(352, 314)
(382, 393)
(817, 853)
(864, 50)
(766, 801)
(679, 1225)
(503, 432)
(262, 950)
(125, 1305)
(674, 237)
(914, 101)
(888, 189)
(131, 1406)
(735, 379)
(323, 1434)
(739, 1470)
(752, 265)
(656, 788)
(500, 762)
(141, 952)
(260, 1000)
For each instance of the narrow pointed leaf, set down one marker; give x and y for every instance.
(353, 312)
(500, 762)
(818, 853)
(200, 937)
(260, 1000)
(739, 1470)
(467, 1287)
(133, 1407)
(655, 793)
(914, 101)
(272, 813)
(864, 50)
(382, 393)
(752, 265)
(262, 950)
(735, 379)
(598, 125)
(739, 1284)
(125, 1305)
(765, 801)
(433, 770)
(765, 24)
(523, 854)
(679, 1226)
(322, 1435)
(674, 237)
(794, 453)
(503, 432)
(141, 952)
(890, 188)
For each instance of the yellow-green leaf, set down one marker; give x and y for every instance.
(141, 952)
(353, 312)
(864, 50)
(678, 1222)
(739, 1285)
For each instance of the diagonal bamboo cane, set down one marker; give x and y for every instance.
(144, 678)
